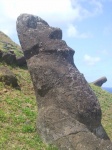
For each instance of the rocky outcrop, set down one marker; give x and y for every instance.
(1, 53)
(11, 59)
(69, 113)
(10, 52)
(6, 44)
(100, 81)
(8, 77)
(21, 61)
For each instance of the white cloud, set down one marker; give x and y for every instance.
(88, 8)
(58, 13)
(91, 60)
(66, 8)
(73, 32)
(55, 10)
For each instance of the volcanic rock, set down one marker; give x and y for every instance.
(9, 50)
(100, 81)
(1, 53)
(69, 114)
(8, 77)
(9, 58)
(21, 61)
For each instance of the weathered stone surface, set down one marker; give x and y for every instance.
(8, 77)
(9, 58)
(100, 81)
(69, 113)
(1, 53)
(21, 61)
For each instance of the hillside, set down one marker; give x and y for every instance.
(18, 114)
(7, 44)
(18, 108)
(105, 99)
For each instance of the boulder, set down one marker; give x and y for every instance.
(100, 81)
(1, 53)
(9, 58)
(69, 114)
(8, 77)
(21, 61)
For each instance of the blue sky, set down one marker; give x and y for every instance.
(86, 25)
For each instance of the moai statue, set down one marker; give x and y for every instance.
(69, 114)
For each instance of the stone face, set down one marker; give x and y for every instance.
(100, 81)
(69, 113)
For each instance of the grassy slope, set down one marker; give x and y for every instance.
(105, 100)
(7, 44)
(18, 109)
(18, 113)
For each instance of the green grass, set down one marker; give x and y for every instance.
(105, 100)
(18, 112)
(7, 44)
